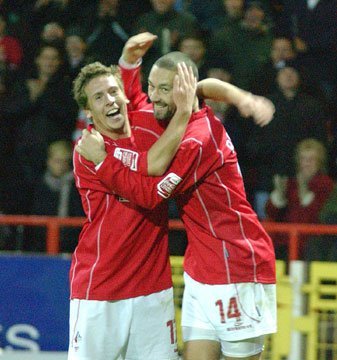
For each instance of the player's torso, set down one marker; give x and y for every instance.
(226, 242)
(122, 251)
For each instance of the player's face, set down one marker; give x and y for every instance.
(107, 105)
(160, 91)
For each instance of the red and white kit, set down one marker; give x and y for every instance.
(122, 251)
(120, 270)
(226, 242)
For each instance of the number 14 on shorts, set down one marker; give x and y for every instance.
(232, 309)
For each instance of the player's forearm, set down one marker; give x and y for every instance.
(218, 90)
(163, 150)
(137, 188)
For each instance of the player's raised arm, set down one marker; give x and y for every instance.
(134, 49)
(137, 46)
(259, 108)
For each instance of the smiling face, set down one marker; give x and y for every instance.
(160, 91)
(106, 106)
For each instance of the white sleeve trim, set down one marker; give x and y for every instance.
(277, 200)
(122, 63)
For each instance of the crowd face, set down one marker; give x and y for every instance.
(254, 17)
(282, 50)
(59, 163)
(309, 163)
(194, 48)
(75, 46)
(234, 8)
(160, 91)
(107, 106)
(48, 61)
(162, 6)
(52, 32)
(288, 79)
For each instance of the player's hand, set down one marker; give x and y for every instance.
(137, 46)
(259, 108)
(91, 146)
(184, 88)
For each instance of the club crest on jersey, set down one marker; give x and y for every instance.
(168, 184)
(128, 157)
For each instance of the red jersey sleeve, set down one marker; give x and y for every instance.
(133, 88)
(85, 175)
(148, 192)
(89, 184)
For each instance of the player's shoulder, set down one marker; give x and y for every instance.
(203, 126)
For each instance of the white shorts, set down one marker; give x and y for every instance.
(231, 312)
(134, 329)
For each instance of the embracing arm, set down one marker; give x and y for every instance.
(259, 108)
(147, 191)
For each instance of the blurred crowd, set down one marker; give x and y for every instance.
(285, 50)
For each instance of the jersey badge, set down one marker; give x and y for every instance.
(168, 184)
(128, 157)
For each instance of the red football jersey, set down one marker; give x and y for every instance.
(123, 248)
(226, 242)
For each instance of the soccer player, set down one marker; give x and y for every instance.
(229, 301)
(120, 280)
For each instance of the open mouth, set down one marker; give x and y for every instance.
(112, 113)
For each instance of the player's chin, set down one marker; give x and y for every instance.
(163, 114)
(117, 123)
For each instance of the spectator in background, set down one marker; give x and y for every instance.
(168, 24)
(63, 12)
(282, 52)
(55, 194)
(10, 48)
(195, 46)
(76, 51)
(53, 32)
(107, 29)
(299, 199)
(243, 49)
(44, 111)
(327, 215)
(232, 15)
(312, 24)
(214, 14)
(297, 116)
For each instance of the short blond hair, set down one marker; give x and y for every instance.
(318, 147)
(90, 72)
